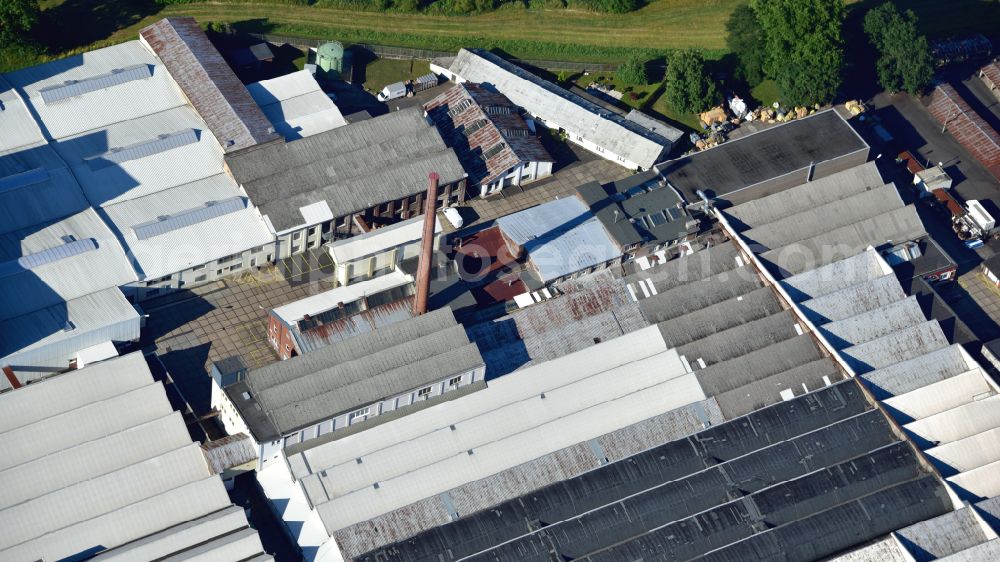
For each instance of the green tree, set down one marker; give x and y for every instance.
(803, 50)
(905, 61)
(746, 40)
(633, 72)
(17, 18)
(687, 85)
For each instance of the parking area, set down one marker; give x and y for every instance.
(191, 329)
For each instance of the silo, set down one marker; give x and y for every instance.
(330, 60)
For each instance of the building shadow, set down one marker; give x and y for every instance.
(76, 23)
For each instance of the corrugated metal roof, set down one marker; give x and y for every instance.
(329, 381)
(351, 168)
(296, 106)
(500, 429)
(229, 452)
(824, 218)
(896, 346)
(561, 237)
(853, 300)
(36, 187)
(25, 290)
(40, 338)
(544, 99)
(19, 127)
(194, 238)
(133, 178)
(898, 225)
(314, 305)
(76, 436)
(112, 103)
(815, 283)
(807, 196)
(208, 83)
(873, 324)
(486, 131)
(917, 372)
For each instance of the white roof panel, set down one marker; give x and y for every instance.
(146, 173)
(561, 237)
(296, 106)
(380, 239)
(39, 271)
(19, 127)
(91, 318)
(976, 484)
(967, 454)
(90, 110)
(196, 241)
(295, 311)
(940, 396)
(72, 390)
(958, 423)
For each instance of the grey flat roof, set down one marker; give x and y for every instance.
(330, 381)
(639, 208)
(351, 168)
(763, 156)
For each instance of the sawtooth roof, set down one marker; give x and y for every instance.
(486, 130)
(71, 438)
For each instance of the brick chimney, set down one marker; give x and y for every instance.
(11, 377)
(427, 245)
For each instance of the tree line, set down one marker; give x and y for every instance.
(799, 44)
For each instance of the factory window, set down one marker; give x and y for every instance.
(152, 292)
(424, 392)
(229, 258)
(200, 278)
(455, 381)
(198, 267)
(297, 235)
(363, 413)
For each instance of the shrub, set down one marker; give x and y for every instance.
(633, 72)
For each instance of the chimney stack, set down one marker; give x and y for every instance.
(427, 245)
(11, 377)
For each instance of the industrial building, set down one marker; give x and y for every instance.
(967, 126)
(768, 161)
(642, 213)
(378, 251)
(334, 387)
(308, 324)
(609, 135)
(125, 124)
(97, 465)
(494, 143)
(558, 239)
(347, 180)
(296, 106)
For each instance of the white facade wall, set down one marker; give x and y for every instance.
(202, 274)
(269, 452)
(519, 175)
(56, 356)
(394, 403)
(374, 265)
(299, 240)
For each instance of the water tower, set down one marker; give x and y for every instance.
(330, 60)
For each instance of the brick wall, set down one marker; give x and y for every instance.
(967, 127)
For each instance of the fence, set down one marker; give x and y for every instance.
(388, 52)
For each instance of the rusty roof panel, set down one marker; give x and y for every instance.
(208, 83)
(486, 130)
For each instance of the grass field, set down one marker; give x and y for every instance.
(382, 72)
(560, 34)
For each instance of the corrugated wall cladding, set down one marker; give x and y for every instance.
(209, 84)
(967, 127)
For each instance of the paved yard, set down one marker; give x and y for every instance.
(563, 183)
(191, 329)
(980, 305)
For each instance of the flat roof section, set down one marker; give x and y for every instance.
(762, 156)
